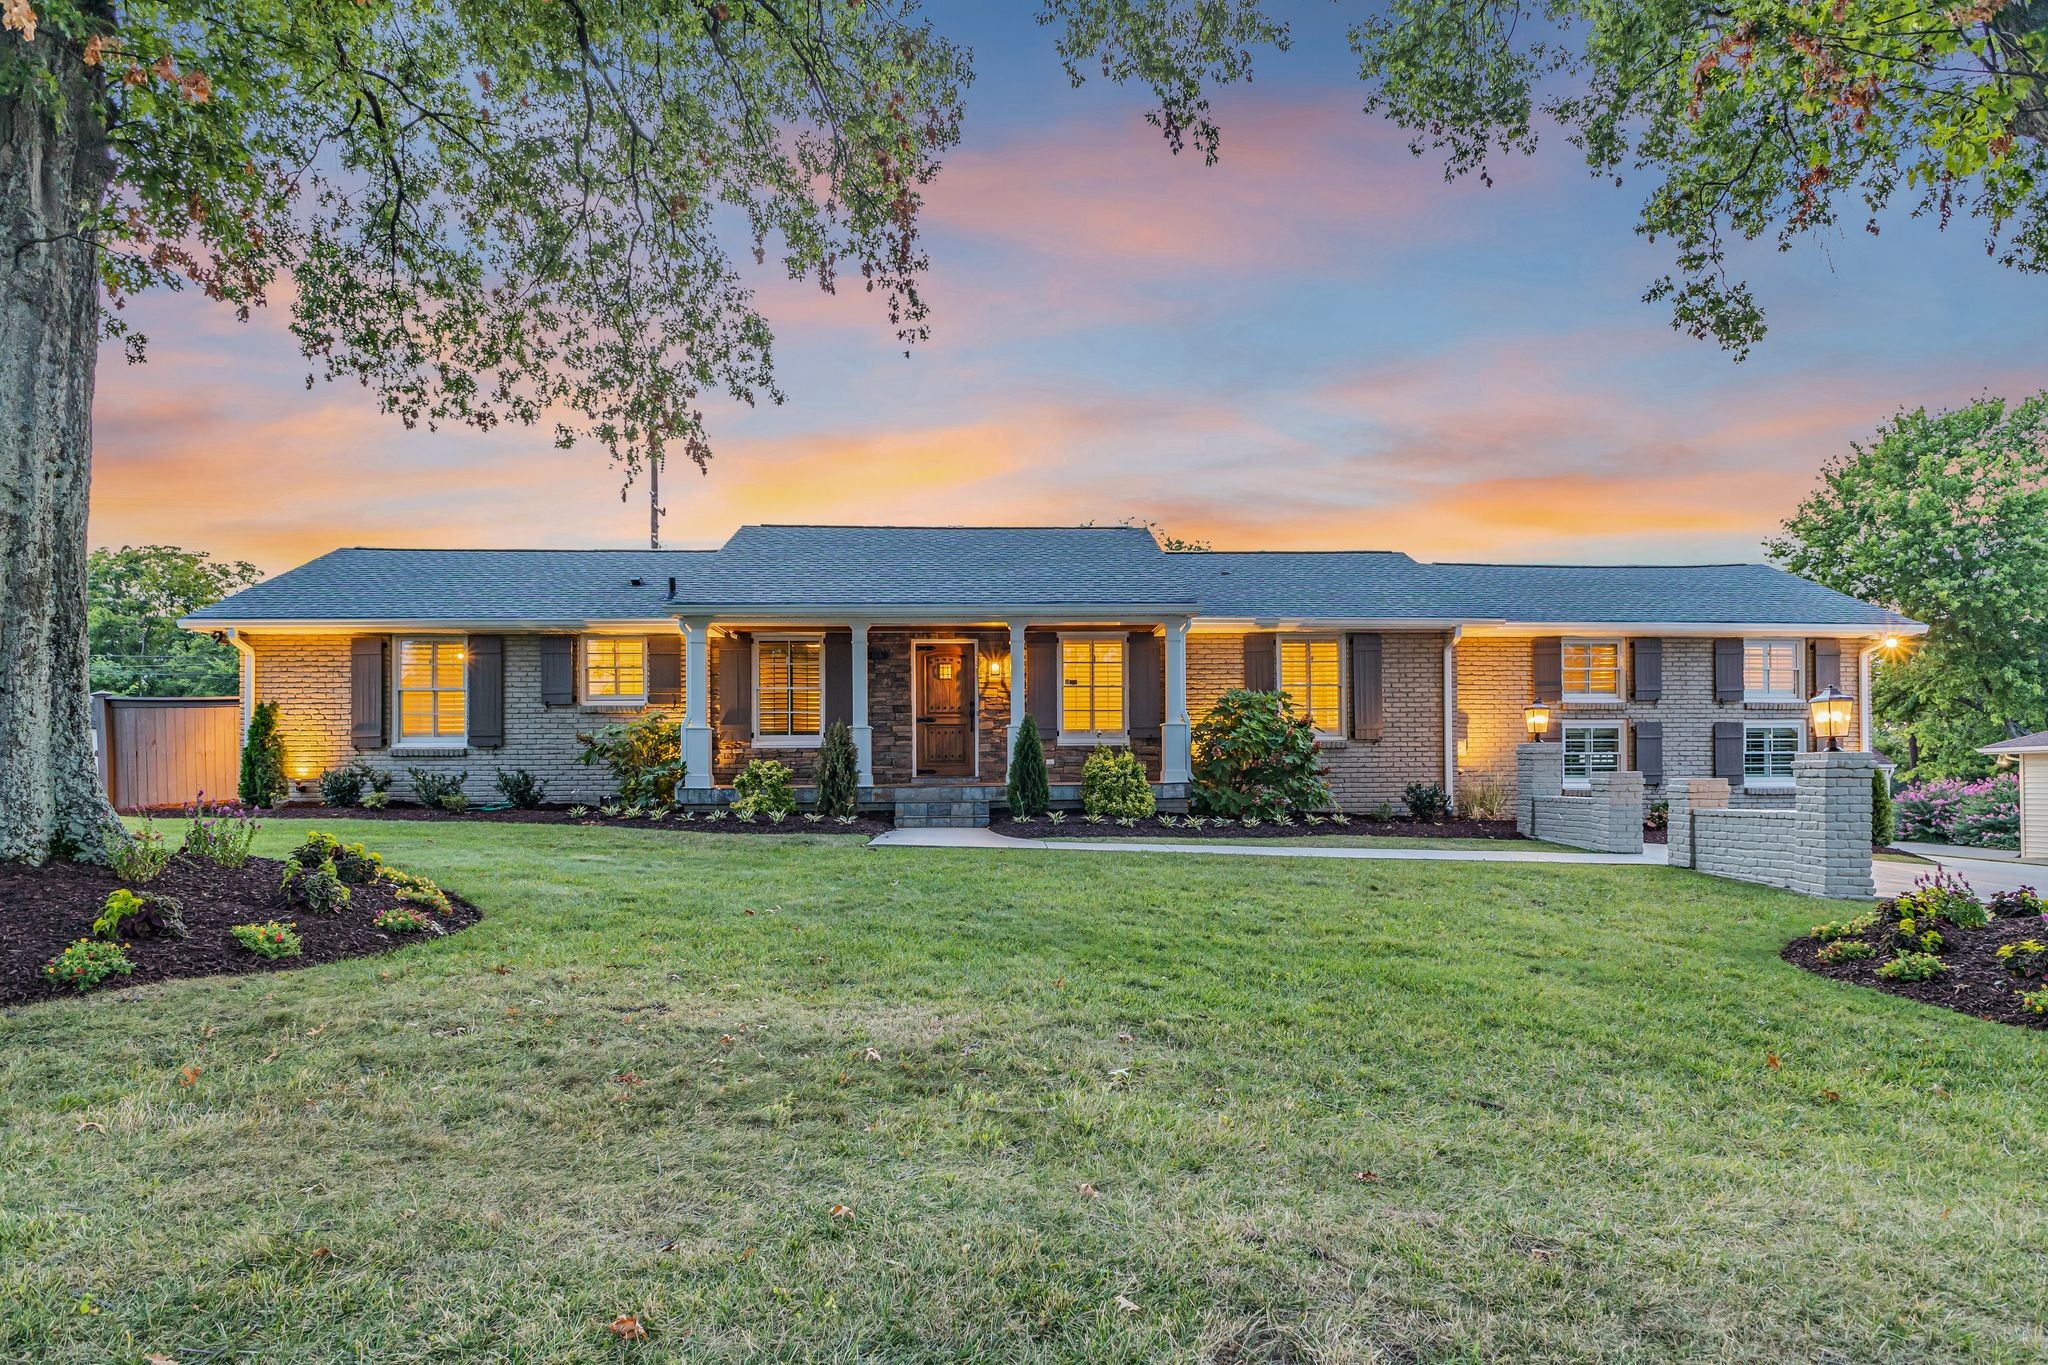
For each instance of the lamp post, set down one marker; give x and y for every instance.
(1536, 719)
(1833, 712)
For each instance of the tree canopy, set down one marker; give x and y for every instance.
(135, 596)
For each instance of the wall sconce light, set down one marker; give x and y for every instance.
(995, 668)
(1536, 719)
(1833, 712)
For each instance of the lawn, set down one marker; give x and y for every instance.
(1115, 1110)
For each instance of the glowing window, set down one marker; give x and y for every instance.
(432, 697)
(788, 689)
(1091, 686)
(1592, 669)
(1311, 674)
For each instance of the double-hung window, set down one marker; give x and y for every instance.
(1592, 670)
(1590, 749)
(615, 669)
(432, 692)
(789, 703)
(1092, 689)
(1770, 670)
(1311, 674)
(1767, 754)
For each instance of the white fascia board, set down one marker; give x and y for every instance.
(1240, 625)
(421, 625)
(1048, 613)
(1687, 628)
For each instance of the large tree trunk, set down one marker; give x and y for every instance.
(54, 170)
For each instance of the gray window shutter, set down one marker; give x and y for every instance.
(1368, 706)
(1827, 665)
(665, 669)
(366, 691)
(486, 691)
(1042, 684)
(1261, 662)
(1728, 751)
(1646, 669)
(1145, 684)
(557, 670)
(1646, 742)
(1546, 669)
(838, 683)
(1727, 672)
(736, 686)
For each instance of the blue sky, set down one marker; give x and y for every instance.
(1316, 343)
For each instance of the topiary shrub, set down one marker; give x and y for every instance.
(1113, 784)
(1029, 792)
(764, 789)
(645, 757)
(1253, 756)
(263, 782)
(838, 772)
(1884, 816)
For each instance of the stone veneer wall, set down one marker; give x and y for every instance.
(1362, 774)
(308, 676)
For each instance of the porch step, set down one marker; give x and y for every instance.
(924, 812)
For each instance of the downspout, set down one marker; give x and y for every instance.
(1451, 716)
(233, 637)
(1863, 657)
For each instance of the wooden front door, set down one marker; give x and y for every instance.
(945, 711)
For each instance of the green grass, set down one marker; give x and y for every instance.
(1558, 1076)
(1331, 841)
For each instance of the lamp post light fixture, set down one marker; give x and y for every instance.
(1833, 712)
(1536, 719)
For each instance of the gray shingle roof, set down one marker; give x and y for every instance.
(2036, 743)
(791, 568)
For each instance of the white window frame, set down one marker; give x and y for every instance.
(1798, 728)
(583, 644)
(1343, 674)
(400, 741)
(1620, 729)
(807, 740)
(1085, 739)
(1589, 641)
(1798, 648)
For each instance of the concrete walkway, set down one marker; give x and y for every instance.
(1652, 855)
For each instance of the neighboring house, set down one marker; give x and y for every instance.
(2030, 753)
(934, 643)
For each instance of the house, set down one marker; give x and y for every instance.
(2030, 752)
(934, 643)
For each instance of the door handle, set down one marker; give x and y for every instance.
(927, 720)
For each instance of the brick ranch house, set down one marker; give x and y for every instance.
(934, 643)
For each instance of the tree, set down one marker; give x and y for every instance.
(522, 210)
(1752, 118)
(1029, 793)
(134, 597)
(262, 781)
(838, 772)
(1945, 517)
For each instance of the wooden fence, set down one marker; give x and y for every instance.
(163, 751)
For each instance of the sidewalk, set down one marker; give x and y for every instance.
(1652, 856)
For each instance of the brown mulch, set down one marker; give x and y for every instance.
(559, 815)
(1975, 982)
(48, 908)
(1150, 828)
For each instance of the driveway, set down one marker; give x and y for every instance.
(1987, 870)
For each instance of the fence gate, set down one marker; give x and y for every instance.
(163, 751)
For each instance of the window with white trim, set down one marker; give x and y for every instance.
(1092, 689)
(1590, 749)
(789, 698)
(1767, 754)
(1770, 670)
(1312, 676)
(433, 698)
(615, 668)
(1592, 670)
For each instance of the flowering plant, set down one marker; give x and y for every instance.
(86, 963)
(220, 832)
(1983, 813)
(268, 940)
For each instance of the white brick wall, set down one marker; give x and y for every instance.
(1821, 846)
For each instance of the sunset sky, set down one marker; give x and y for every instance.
(1315, 344)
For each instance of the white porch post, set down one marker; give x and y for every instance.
(863, 733)
(1016, 692)
(1174, 763)
(697, 749)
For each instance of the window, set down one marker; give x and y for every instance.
(1770, 670)
(1590, 749)
(1311, 674)
(615, 668)
(1592, 670)
(788, 689)
(1091, 689)
(431, 691)
(1767, 754)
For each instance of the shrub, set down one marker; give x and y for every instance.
(1913, 967)
(86, 963)
(1254, 756)
(1952, 811)
(1029, 793)
(1843, 929)
(439, 791)
(270, 939)
(2027, 959)
(1486, 798)
(143, 857)
(1942, 897)
(376, 800)
(2018, 904)
(1425, 801)
(1988, 820)
(221, 833)
(356, 865)
(417, 890)
(1884, 815)
(1657, 814)
(316, 848)
(402, 919)
(645, 757)
(764, 789)
(352, 784)
(317, 888)
(1845, 950)
(522, 788)
(127, 915)
(1113, 784)
(262, 782)
(838, 771)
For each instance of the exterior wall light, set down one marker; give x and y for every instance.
(1833, 712)
(1536, 719)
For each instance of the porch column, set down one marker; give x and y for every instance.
(697, 748)
(1174, 762)
(1017, 671)
(863, 733)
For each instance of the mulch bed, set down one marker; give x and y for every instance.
(559, 815)
(1974, 983)
(49, 908)
(1077, 826)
